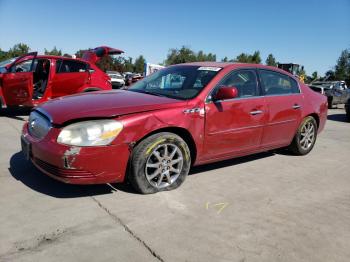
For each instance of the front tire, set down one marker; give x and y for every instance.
(160, 162)
(305, 138)
(347, 110)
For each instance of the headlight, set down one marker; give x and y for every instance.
(90, 133)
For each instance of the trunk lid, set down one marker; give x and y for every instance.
(94, 55)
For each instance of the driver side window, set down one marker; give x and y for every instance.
(245, 81)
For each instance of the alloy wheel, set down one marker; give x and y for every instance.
(164, 165)
(307, 135)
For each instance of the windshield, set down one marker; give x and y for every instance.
(5, 63)
(179, 82)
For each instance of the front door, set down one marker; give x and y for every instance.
(235, 126)
(284, 102)
(17, 82)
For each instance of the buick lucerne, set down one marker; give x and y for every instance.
(178, 117)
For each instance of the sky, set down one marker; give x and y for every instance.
(312, 33)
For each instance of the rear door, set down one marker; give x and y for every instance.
(70, 77)
(284, 102)
(17, 82)
(236, 125)
(94, 55)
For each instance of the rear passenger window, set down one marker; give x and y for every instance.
(245, 81)
(275, 83)
(69, 66)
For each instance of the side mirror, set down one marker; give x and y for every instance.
(225, 93)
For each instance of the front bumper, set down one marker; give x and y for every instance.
(77, 165)
(117, 83)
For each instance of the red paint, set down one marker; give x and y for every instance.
(17, 87)
(225, 93)
(219, 130)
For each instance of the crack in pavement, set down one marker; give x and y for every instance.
(127, 229)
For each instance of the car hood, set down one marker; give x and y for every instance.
(104, 104)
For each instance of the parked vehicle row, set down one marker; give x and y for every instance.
(336, 91)
(33, 79)
(184, 115)
(117, 79)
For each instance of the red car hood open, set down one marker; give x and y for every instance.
(104, 104)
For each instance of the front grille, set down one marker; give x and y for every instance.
(38, 125)
(61, 172)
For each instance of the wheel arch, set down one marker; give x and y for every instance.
(316, 117)
(181, 132)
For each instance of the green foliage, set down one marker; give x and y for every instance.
(314, 75)
(329, 75)
(54, 51)
(128, 66)
(79, 53)
(18, 50)
(225, 59)
(247, 58)
(270, 60)
(3, 55)
(107, 64)
(139, 64)
(342, 68)
(186, 55)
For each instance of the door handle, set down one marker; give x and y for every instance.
(256, 112)
(296, 106)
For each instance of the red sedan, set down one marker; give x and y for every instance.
(183, 115)
(33, 79)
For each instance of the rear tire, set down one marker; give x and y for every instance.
(330, 103)
(347, 109)
(305, 137)
(158, 163)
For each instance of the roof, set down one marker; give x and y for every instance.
(56, 57)
(236, 65)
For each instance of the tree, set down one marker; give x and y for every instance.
(247, 58)
(255, 58)
(139, 65)
(106, 63)
(314, 75)
(225, 59)
(18, 50)
(79, 53)
(54, 51)
(3, 55)
(128, 66)
(242, 58)
(329, 75)
(179, 56)
(342, 68)
(201, 56)
(270, 60)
